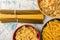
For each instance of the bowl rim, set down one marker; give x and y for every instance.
(38, 1)
(46, 24)
(14, 34)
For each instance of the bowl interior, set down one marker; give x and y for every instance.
(38, 35)
(39, 1)
(51, 20)
(48, 22)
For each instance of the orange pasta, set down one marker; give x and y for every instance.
(51, 31)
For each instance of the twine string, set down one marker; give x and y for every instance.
(15, 13)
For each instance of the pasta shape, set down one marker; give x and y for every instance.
(26, 33)
(51, 31)
(50, 7)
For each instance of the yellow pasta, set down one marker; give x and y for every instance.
(51, 31)
(26, 33)
(50, 7)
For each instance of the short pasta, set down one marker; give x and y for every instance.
(50, 7)
(26, 33)
(51, 31)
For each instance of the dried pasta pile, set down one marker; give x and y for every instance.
(51, 31)
(26, 33)
(50, 7)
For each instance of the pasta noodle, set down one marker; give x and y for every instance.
(50, 7)
(26, 33)
(51, 31)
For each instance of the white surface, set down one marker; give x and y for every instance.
(7, 29)
(18, 4)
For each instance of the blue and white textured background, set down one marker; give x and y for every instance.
(18, 4)
(7, 29)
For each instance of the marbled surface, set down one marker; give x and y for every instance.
(7, 29)
(18, 4)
